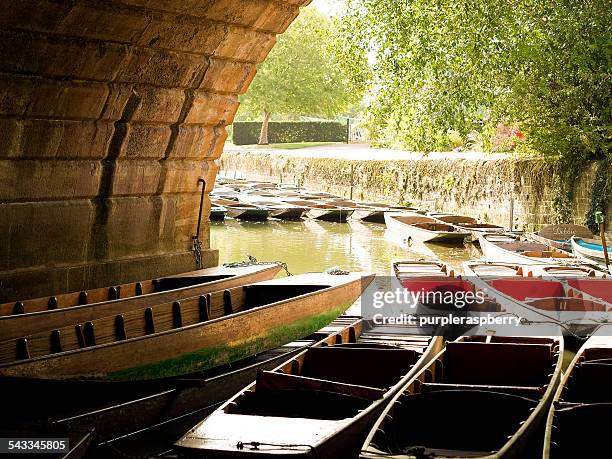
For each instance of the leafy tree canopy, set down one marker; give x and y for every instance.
(442, 67)
(302, 75)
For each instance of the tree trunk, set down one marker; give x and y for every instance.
(263, 135)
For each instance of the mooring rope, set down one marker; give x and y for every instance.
(252, 261)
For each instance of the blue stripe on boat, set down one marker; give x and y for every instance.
(592, 245)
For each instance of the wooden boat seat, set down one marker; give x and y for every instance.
(522, 288)
(384, 367)
(271, 380)
(590, 383)
(596, 353)
(289, 403)
(534, 393)
(484, 421)
(503, 364)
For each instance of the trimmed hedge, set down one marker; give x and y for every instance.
(247, 132)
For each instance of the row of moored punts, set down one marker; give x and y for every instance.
(165, 354)
(258, 201)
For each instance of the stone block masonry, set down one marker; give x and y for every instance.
(482, 187)
(110, 111)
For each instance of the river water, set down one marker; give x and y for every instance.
(311, 245)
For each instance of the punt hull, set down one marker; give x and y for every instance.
(493, 252)
(372, 216)
(330, 215)
(248, 214)
(343, 442)
(200, 346)
(217, 214)
(411, 232)
(25, 324)
(289, 213)
(589, 254)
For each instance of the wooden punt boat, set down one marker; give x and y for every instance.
(469, 224)
(374, 212)
(243, 211)
(499, 387)
(590, 249)
(576, 425)
(81, 307)
(438, 289)
(417, 227)
(538, 299)
(319, 404)
(217, 213)
(509, 248)
(278, 209)
(115, 408)
(320, 211)
(559, 236)
(185, 336)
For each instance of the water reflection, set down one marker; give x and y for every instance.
(311, 245)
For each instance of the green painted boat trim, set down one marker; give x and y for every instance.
(219, 355)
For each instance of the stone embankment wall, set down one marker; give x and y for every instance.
(110, 112)
(491, 190)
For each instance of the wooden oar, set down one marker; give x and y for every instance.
(599, 218)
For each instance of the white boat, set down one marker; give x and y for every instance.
(465, 223)
(583, 399)
(590, 249)
(416, 227)
(509, 248)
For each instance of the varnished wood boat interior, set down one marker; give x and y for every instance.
(114, 292)
(568, 304)
(310, 204)
(456, 219)
(319, 404)
(531, 249)
(492, 385)
(580, 425)
(148, 321)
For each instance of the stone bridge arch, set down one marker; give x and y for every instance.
(110, 111)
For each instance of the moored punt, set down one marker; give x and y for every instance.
(217, 213)
(512, 249)
(149, 291)
(413, 226)
(320, 211)
(243, 211)
(416, 268)
(115, 408)
(576, 425)
(185, 336)
(469, 224)
(501, 386)
(540, 299)
(278, 209)
(319, 404)
(374, 212)
(559, 236)
(590, 250)
(164, 290)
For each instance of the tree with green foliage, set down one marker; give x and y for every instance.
(442, 67)
(301, 76)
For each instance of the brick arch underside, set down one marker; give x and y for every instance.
(110, 111)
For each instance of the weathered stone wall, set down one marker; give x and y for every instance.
(482, 188)
(110, 111)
